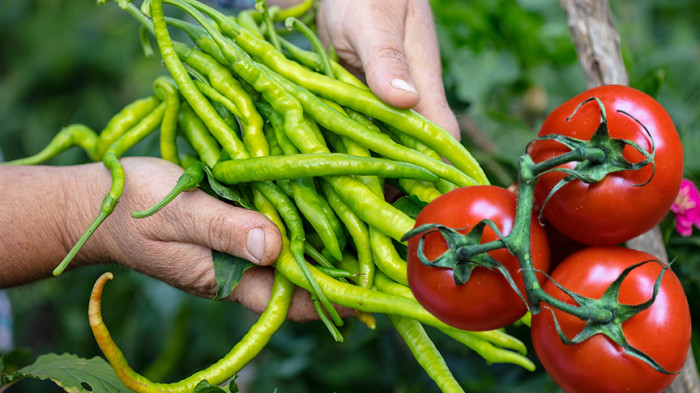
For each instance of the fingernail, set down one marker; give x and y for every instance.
(255, 243)
(403, 85)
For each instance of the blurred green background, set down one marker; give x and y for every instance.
(507, 63)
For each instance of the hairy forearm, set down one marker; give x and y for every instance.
(37, 209)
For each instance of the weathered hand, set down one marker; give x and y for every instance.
(174, 245)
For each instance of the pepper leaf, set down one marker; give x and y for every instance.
(228, 270)
(74, 374)
(227, 193)
(206, 387)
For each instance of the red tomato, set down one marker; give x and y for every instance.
(662, 331)
(486, 301)
(615, 209)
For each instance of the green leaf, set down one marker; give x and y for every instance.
(74, 374)
(228, 270)
(13, 360)
(206, 387)
(227, 193)
(411, 205)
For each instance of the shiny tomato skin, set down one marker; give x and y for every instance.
(615, 209)
(486, 301)
(597, 364)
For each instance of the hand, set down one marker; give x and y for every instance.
(173, 245)
(394, 44)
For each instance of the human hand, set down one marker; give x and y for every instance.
(174, 245)
(394, 44)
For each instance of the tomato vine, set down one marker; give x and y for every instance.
(579, 162)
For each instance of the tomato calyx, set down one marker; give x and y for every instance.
(596, 158)
(465, 252)
(606, 315)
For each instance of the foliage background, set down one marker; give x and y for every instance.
(507, 63)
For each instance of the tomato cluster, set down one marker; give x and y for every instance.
(638, 352)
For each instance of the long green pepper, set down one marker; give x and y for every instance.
(167, 92)
(241, 354)
(122, 122)
(73, 135)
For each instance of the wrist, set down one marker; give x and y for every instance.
(83, 188)
(36, 220)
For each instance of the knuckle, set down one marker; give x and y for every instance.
(392, 54)
(219, 232)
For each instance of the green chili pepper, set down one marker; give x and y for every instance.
(219, 98)
(490, 352)
(351, 265)
(313, 61)
(357, 230)
(122, 122)
(325, 66)
(423, 190)
(372, 209)
(189, 180)
(165, 90)
(386, 257)
(295, 11)
(303, 188)
(385, 284)
(426, 353)
(334, 272)
(246, 19)
(443, 186)
(250, 345)
(309, 203)
(69, 136)
(261, 5)
(198, 136)
(312, 165)
(275, 148)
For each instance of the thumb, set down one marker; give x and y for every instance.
(244, 233)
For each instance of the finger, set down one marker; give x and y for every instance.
(233, 230)
(423, 55)
(380, 47)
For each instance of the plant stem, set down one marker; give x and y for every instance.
(518, 240)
